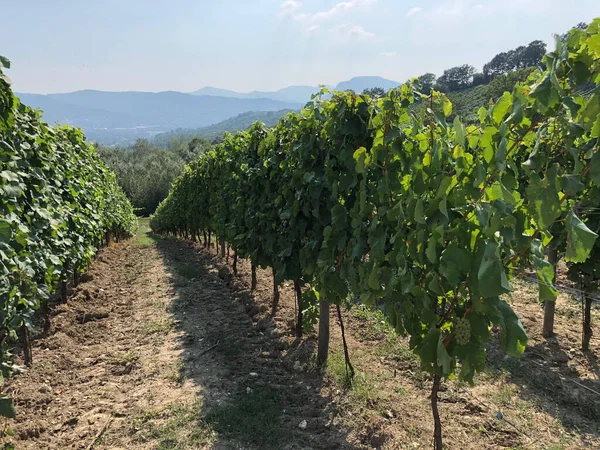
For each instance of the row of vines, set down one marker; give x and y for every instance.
(58, 204)
(384, 200)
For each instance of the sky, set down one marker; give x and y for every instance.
(244, 45)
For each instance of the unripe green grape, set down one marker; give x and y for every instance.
(462, 331)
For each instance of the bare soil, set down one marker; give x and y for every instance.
(163, 348)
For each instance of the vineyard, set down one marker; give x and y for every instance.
(389, 205)
(362, 275)
(59, 203)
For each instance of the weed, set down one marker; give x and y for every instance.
(123, 358)
(175, 427)
(163, 326)
(254, 418)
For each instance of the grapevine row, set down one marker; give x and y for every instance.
(384, 200)
(58, 204)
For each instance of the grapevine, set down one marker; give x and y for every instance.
(426, 219)
(58, 204)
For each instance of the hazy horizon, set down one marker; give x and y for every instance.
(186, 45)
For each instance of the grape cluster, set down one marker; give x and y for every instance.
(462, 331)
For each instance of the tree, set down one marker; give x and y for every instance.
(145, 172)
(530, 56)
(457, 78)
(519, 58)
(479, 79)
(501, 63)
(427, 81)
(375, 92)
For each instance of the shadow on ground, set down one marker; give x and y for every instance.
(545, 379)
(256, 385)
(255, 398)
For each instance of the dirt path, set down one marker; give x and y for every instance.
(179, 361)
(161, 348)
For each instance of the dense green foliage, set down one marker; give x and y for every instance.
(146, 172)
(427, 218)
(58, 201)
(519, 58)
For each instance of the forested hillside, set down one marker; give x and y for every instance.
(238, 123)
(145, 172)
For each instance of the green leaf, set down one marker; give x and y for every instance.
(361, 159)
(419, 212)
(544, 272)
(5, 231)
(596, 128)
(491, 276)
(459, 131)
(444, 207)
(543, 201)
(502, 107)
(443, 358)
(513, 338)
(482, 114)
(572, 185)
(446, 106)
(430, 252)
(580, 240)
(376, 240)
(453, 262)
(427, 348)
(594, 172)
(374, 279)
(544, 92)
(7, 407)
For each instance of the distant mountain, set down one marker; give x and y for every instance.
(56, 110)
(301, 94)
(293, 94)
(359, 84)
(110, 117)
(122, 117)
(216, 92)
(238, 123)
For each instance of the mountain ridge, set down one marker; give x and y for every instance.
(120, 117)
(301, 93)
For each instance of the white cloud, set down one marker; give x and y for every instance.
(340, 8)
(455, 8)
(388, 54)
(349, 31)
(413, 11)
(290, 5)
(289, 8)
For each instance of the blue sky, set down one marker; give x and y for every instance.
(150, 45)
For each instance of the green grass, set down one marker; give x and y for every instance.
(253, 418)
(144, 236)
(163, 326)
(188, 271)
(176, 373)
(374, 326)
(122, 358)
(175, 427)
(360, 389)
